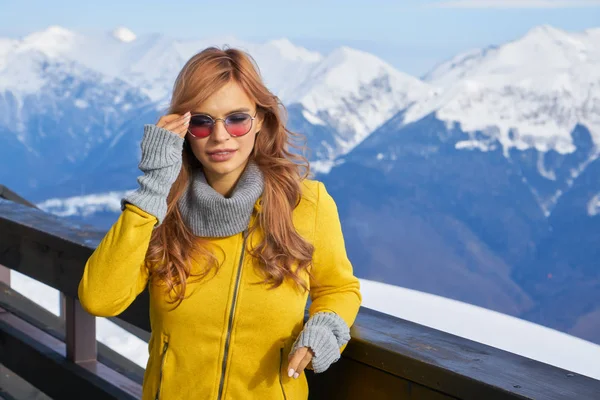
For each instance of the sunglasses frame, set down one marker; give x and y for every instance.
(214, 123)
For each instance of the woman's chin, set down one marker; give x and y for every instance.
(223, 168)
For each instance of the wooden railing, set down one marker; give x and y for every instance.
(387, 358)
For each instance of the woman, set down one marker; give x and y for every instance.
(231, 239)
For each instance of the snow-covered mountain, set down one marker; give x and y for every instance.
(67, 97)
(487, 191)
(55, 115)
(531, 92)
(355, 92)
(531, 98)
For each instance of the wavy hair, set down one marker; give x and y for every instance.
(282, 248)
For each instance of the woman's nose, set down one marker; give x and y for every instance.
(219, 132)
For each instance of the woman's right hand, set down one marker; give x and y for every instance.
(175, 123)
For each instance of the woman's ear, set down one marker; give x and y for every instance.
(260, 117)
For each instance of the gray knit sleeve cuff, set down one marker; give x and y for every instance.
(160, 163)
(324, 332)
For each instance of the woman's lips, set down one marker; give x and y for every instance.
(221, 155)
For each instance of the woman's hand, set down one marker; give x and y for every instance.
(299, 361)
(175, 123)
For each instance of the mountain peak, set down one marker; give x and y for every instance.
(124, 34)
(546, 32)
(547, 29)
(592, 32)
(548, 70)
(52, 41)
(51, 33)
(293, 52)
(345, 52)
(57, 30)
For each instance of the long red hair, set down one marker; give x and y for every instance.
(173, 247)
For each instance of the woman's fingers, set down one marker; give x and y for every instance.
(162, 121)
(175, 123)
(299, 360)
(304, 362)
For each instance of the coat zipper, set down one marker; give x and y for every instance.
(231, 312)
(162, 365)
(281, 365)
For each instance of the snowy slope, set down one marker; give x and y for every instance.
(485, 326)
(529, 93)
(152, 61)
(461, 319)
(349, 91)
(356, 92)
(84, 205)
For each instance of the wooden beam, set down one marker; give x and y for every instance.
(13, 387)
(36, 315)
(41, 360)
(6, 193)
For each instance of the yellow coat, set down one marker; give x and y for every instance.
(230, 338)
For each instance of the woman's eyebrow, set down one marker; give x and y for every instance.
(242, 109)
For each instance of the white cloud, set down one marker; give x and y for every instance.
(515, 4)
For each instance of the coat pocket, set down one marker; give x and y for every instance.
(280, 373)
(163, 357)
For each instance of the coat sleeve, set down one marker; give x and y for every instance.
(334, 287)
(115, 273)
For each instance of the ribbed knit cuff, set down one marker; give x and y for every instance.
(324, 332)
(161, 163)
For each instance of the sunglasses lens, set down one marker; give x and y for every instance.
(200, 126)
(238, 124)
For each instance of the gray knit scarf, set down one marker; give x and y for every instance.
(209, 214)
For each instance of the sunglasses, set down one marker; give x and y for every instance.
(236, 124)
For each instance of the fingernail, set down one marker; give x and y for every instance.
(291, 372)
(187, 114)
(296, 375)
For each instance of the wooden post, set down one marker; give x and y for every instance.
(62, 306)
(5, 275)
(80, 332)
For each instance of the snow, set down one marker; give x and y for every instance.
(80, 103)
(322, 166)
(84, 205)
(461, 319)
(357, 92)
(541, 167)
(313, 119)
(53, 41)
(352, 91)
(20, 72)
(485, 326)
(530, 92)
(124, 35)
(290, 51)
(473, 144)
(593, 206)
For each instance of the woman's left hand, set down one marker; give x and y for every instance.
(299, 361)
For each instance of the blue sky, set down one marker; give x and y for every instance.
(411, 35)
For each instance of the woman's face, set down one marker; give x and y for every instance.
(209, 151)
